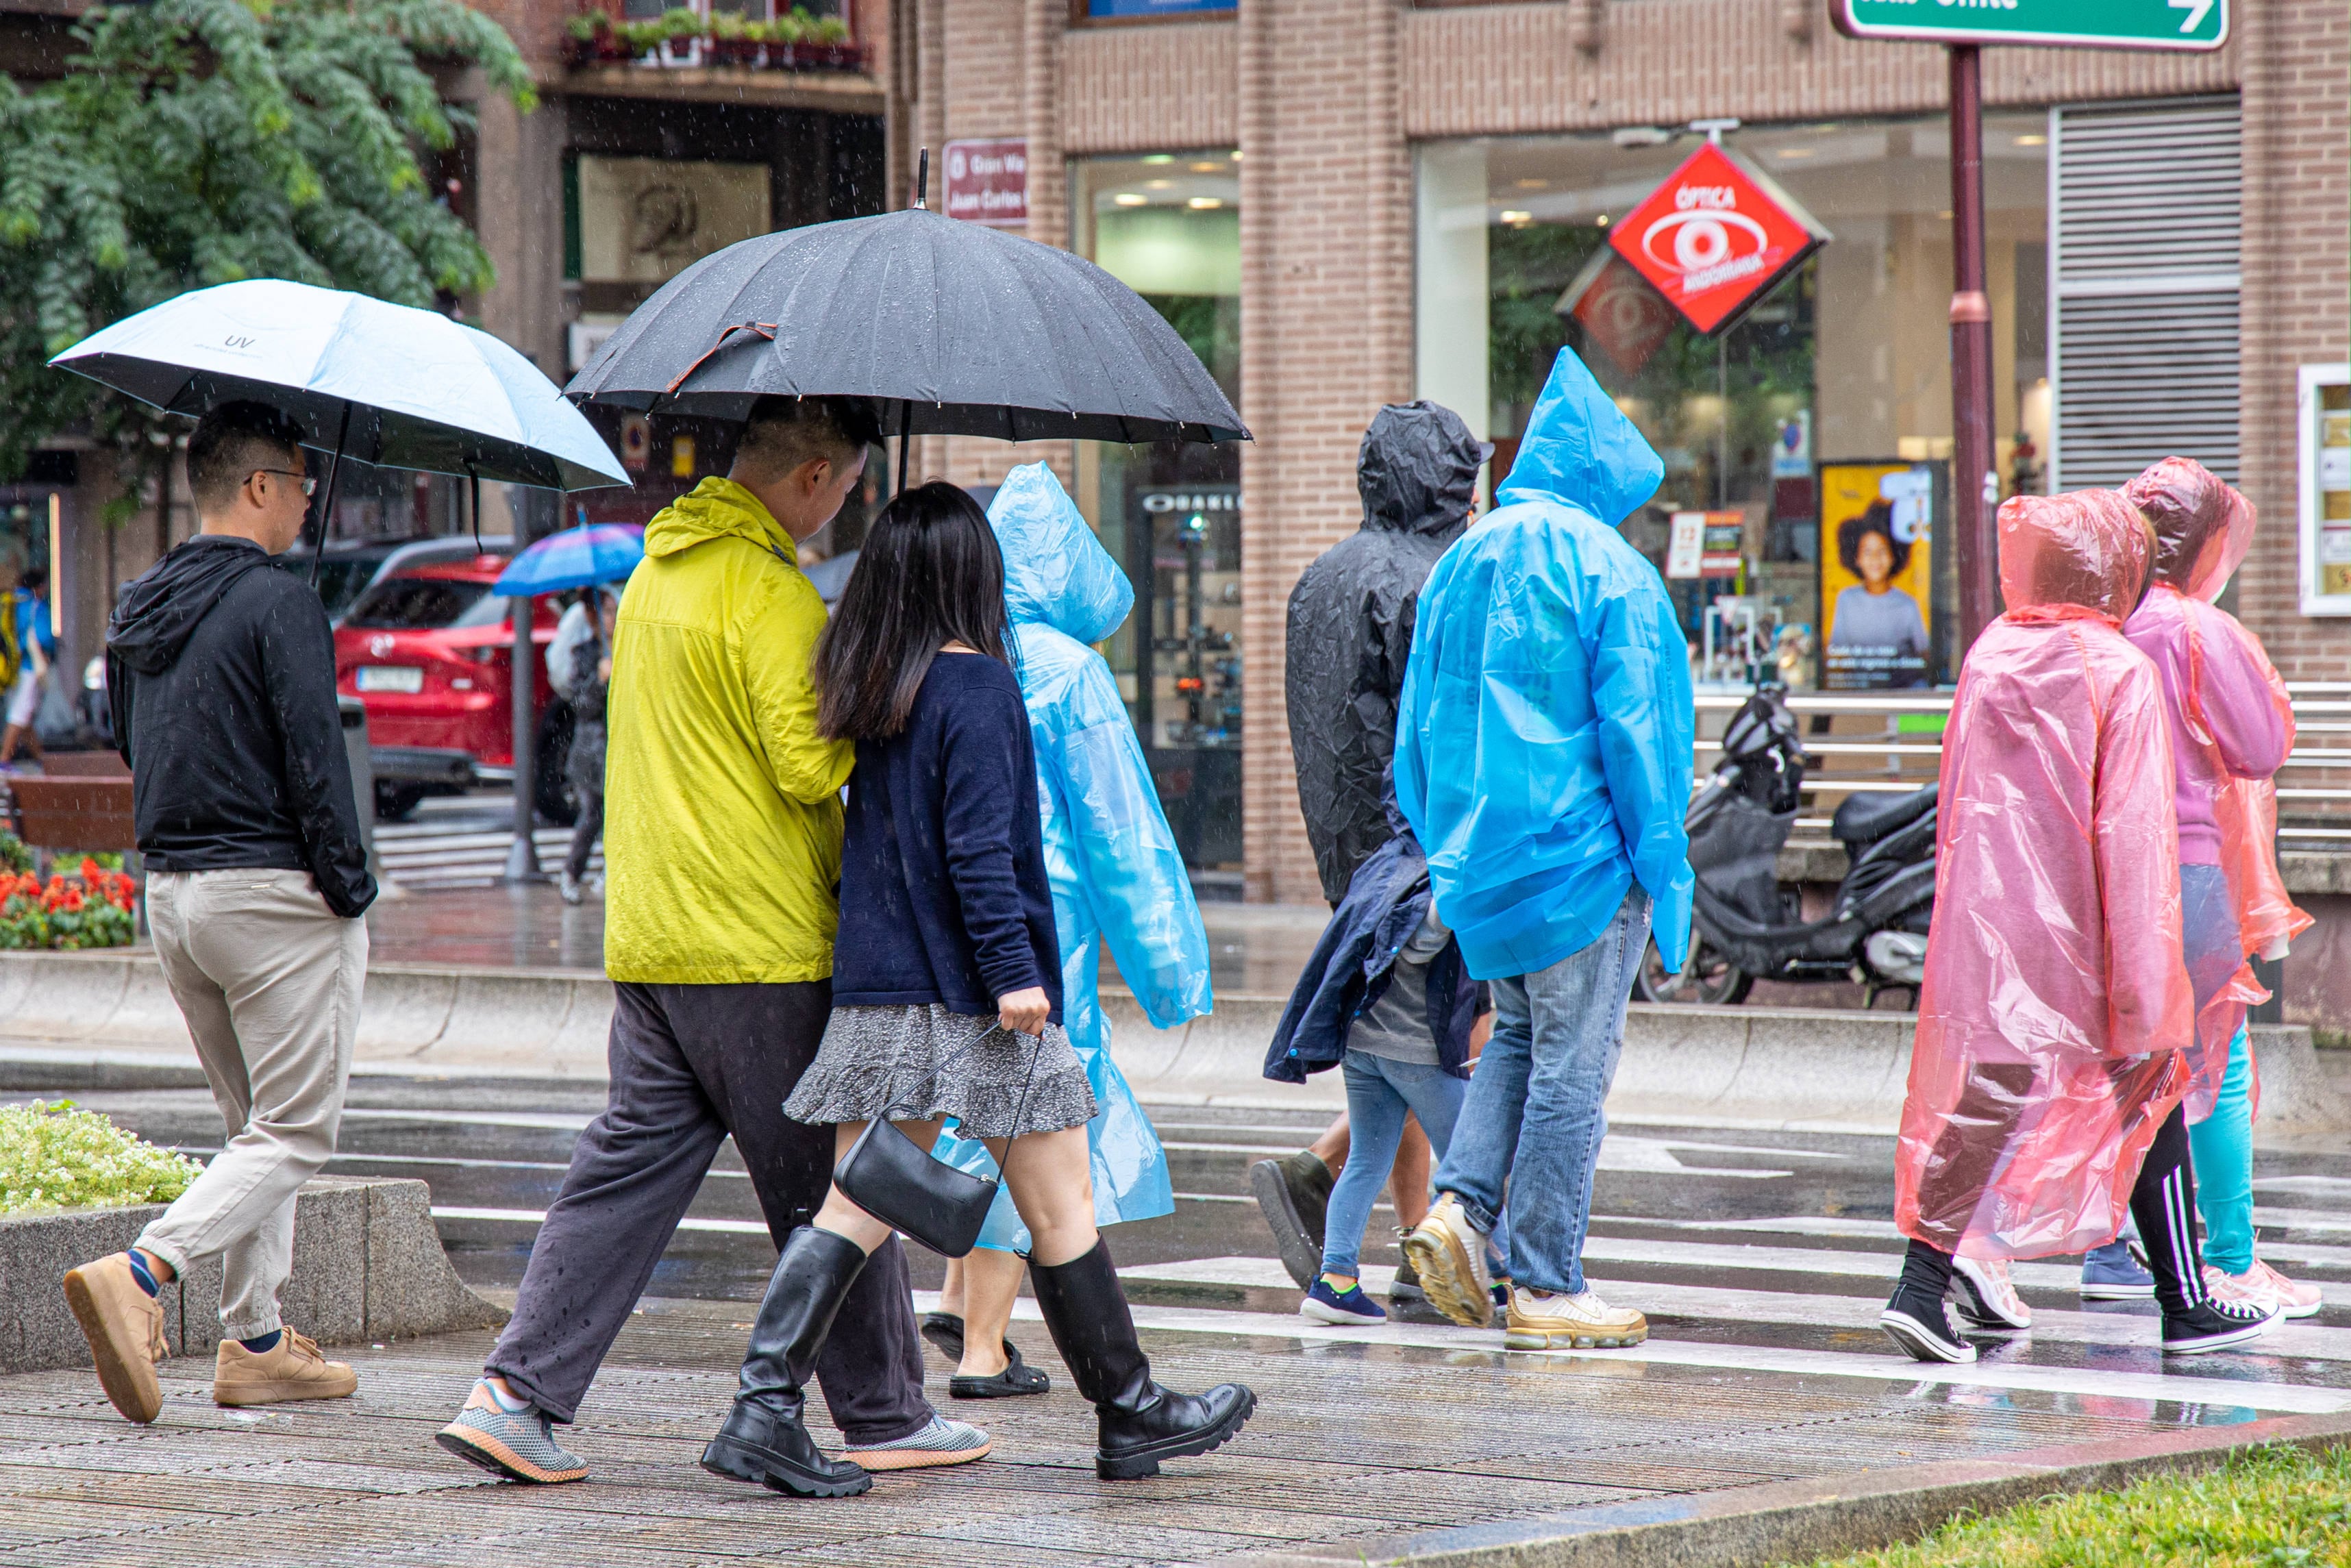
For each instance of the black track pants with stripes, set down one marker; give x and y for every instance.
(2163, 1201)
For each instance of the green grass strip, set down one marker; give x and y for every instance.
(2265, 1508)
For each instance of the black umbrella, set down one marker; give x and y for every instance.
(949, 327)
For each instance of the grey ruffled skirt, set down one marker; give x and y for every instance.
(922, 1061)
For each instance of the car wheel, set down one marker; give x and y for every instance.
(1709, 980)
(396, 802)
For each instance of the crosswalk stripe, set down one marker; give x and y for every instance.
(539, 1216)
(1730, 1305)
(2170, 1387)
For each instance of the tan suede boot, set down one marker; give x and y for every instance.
(291, 1369)
(124, 1326)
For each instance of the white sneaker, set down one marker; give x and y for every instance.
(1449, 1252)
(1987, 1298)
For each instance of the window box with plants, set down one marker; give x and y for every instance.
(795, 41)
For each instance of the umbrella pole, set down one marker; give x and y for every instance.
(522, 855)
(327, 509)
(905, 440)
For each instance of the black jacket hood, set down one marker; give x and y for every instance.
(1418, 471)
(158, 610)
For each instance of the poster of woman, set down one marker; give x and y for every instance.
(1877, 526)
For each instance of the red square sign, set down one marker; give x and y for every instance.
(1714, 238)
(988, 181)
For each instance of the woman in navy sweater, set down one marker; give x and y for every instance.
(946, 999)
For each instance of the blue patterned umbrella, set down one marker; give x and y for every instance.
(595, 552)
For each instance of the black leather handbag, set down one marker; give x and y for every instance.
(891, 1178)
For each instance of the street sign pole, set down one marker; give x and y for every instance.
(1975, 480)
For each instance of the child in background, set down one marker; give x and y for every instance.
(2232, 727)
(1388, 999)
(2048, 1070)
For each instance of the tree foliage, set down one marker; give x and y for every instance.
(201, 141)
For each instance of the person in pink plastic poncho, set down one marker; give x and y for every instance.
(2048, 1069)
(2232, 727)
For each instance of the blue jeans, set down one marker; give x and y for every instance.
(1534, 1120)
(1379, 1092)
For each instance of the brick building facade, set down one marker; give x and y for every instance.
(1334, 126)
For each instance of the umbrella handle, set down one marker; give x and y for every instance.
(327, 508)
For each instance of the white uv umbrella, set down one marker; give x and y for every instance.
(387, 384)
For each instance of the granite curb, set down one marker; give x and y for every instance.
(368, 1266)
(110, 1016)
(1796, 1522)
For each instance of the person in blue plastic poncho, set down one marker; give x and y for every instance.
(1543, 759)
(1118, 882)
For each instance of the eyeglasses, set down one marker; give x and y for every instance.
(309, 486)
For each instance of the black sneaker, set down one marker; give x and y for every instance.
(2211, 1326)
(1294, 1193)
(1923, 1326)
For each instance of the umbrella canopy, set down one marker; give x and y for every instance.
(594, 553)
(949, 327)
(388, 384)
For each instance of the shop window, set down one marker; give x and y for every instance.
(1846, 362)
(1168, 226)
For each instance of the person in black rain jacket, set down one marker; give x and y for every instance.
(1350, 635)
(221, 675)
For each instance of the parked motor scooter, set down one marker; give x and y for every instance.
(1747, 926)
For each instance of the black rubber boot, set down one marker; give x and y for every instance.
(763, 1441)
(1138, 1423)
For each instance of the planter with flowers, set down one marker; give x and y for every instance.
(796, 41)
(93, 909)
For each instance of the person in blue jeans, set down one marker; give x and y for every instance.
(1388, 999)
(1543, 758)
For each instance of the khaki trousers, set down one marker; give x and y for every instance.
(268, 979)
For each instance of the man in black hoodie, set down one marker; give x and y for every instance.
(1351, 621)
(221, 676)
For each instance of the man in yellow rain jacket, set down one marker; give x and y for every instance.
(722, 842)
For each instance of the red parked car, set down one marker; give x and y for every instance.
(429, 650)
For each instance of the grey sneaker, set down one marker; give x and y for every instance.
(943, 1442)
(517, 1443)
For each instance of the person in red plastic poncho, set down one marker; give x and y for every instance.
(2232, 727)
(2048, 1070)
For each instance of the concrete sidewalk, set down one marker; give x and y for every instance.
(1463, 1454)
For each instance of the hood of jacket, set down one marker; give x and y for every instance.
(1056, 572)
(157, 612)
(2088, 549)
(1581, 449)
(2203, 526)
(716, 508)
(1418, 470)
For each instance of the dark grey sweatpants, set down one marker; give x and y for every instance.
(691, 1064)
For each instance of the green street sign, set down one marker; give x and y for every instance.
(2092, 24)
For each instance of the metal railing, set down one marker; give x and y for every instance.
(1912, 754)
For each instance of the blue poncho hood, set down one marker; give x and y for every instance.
(1581, 449)
(1055, 571)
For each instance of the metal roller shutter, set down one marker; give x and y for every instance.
(2145, 217)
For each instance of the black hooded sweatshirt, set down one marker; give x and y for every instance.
(221, 676)
(1351, 619)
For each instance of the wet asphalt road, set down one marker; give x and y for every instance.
(1727, 1237)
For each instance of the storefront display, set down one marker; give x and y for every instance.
(1881, 595)
(1167, 224)
(1847, 359)
(2325, 421)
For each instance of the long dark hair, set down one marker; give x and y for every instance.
(929, 573)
